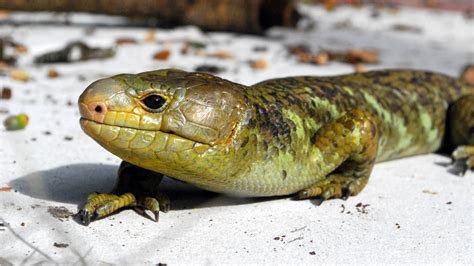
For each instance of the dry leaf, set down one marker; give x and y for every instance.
(4, 13)
(330, 4)
(150, 36)
(221, 55)
(21, 49)
(259, 64)
(162, 55)
(6, 93)
(125, 40)
(3, 65)
(52, 73)
(368, 56)
(426, 191)
(359, 68)
(354, 56)
(406, 28)
(321, 59)
(20, 75)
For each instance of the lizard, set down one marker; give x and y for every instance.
(307, 136)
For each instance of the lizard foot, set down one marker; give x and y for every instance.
(464, 156)
(334, 186)
(101, 205)
(350, 144)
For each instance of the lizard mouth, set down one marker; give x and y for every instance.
(128, 138)
(86, 125)
(85, 121)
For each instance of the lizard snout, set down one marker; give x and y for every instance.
(93, 102)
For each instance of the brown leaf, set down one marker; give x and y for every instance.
(162, 55)
(125, 40)
(6, 93)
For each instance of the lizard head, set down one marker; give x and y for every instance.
(164, 110)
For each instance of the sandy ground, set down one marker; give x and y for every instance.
(413, 210)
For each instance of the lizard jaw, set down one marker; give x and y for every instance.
(122, 140)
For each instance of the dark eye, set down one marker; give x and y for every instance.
(154, 102)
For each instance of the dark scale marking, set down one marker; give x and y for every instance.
(252, 123)
(400, 95)
(244, 142)
(269, 120)
(154, 78)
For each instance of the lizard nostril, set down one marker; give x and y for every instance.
(98, 109)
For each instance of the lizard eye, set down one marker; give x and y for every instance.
(154, 102)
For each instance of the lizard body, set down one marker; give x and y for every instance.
(315, 136)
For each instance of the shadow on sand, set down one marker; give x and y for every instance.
(72, 183)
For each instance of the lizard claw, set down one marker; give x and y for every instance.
(85, 217)
(463, 159)
(346, 192)
(317, 200)
(157, 215)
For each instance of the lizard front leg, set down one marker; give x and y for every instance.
(348, 148)
(136, 187)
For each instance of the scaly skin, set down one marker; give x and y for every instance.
(318, 136)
